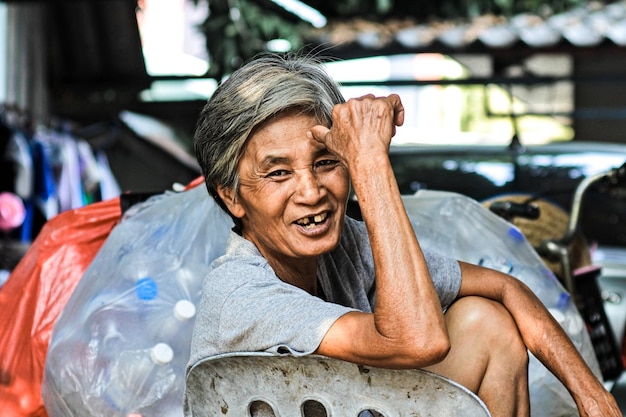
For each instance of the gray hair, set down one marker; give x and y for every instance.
(264, 87)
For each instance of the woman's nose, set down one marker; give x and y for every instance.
(309, 190)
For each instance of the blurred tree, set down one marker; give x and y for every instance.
(236, 30)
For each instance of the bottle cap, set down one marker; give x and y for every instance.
(515, 234)
(162, 354)
(184, 310)
(146, 289)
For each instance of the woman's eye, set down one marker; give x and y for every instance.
(326, 163)
(278, 173)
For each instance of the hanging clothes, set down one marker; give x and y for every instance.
(52, 171)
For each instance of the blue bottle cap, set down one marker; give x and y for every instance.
(515, 234)
(146, 289)
(563, 300)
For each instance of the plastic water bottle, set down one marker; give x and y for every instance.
(140, 378)
(498, 263)
(140, 266)
(189, 279)
(170, 405)
(178, 322)
(546, 286)
(113, 326)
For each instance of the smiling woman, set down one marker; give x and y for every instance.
(279, 147)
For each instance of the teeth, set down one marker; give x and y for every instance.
(311, 221)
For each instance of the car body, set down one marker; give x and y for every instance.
(548, 171)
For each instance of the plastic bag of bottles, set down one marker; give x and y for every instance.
(456, 225)
(121, 345)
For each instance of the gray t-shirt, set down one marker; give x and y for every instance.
(245, 307)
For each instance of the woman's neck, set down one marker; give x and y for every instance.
(301, 273)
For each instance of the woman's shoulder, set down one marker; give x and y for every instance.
(239, 253)
(241, 264)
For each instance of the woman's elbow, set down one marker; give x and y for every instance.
(428, 351)
(437, 351)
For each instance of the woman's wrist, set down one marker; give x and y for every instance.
(366, 164)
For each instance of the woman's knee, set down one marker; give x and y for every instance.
(489, 321)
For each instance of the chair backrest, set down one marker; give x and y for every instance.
(317, 386)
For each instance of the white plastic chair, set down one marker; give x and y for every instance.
(317, 386)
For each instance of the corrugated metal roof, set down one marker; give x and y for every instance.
(582, 27)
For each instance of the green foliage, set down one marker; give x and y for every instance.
(236, 30)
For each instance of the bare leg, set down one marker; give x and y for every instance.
(487, 356)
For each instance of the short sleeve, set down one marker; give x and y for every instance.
(269, 315)
(247, 308)
(446, 275)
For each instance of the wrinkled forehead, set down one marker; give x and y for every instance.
(284, 136)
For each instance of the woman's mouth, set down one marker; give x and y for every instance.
(312, 221)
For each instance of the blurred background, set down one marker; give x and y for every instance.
(109, 91)
(462, 68)
(104, 94)
(99, 99)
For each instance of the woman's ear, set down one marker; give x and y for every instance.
(229, 197)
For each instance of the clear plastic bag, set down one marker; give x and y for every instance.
(140, 291)
(456, 225)
(159, 254)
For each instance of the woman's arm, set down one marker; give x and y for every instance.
(543, 336)
(407, 329)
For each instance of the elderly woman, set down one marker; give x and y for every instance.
(279, 148)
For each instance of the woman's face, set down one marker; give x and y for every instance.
(293, 192)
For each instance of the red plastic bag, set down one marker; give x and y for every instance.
(36, 293)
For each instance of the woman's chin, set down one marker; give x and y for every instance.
(316, 248)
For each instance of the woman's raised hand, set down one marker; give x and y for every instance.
(361, 126)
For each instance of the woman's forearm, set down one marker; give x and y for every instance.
(408, 321)
(543, 335)
(407, 304)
